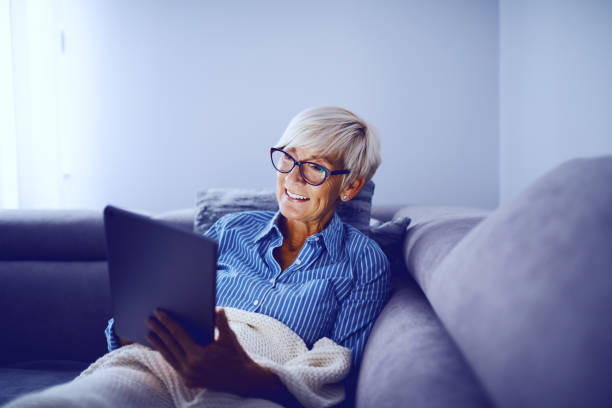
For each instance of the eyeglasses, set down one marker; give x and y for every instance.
(312, 173)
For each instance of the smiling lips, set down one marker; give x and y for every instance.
(296, 197)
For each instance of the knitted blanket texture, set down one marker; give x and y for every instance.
(139, 376)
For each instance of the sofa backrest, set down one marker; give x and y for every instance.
(55, 292)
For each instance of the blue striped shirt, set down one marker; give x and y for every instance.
(336, 286)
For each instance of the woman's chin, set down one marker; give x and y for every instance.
(292, 209)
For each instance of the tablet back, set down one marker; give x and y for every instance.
(156, 265)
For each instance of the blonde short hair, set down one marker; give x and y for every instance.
(334, 131)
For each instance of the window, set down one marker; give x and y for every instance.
(8, 140)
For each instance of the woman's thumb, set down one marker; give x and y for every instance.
(222, 323)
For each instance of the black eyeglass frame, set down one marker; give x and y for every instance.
(328, 172)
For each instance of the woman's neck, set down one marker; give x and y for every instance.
(295, 233)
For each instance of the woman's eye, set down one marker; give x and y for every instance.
(318, 168)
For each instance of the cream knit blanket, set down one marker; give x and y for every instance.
(137, 376)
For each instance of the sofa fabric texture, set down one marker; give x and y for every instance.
(526, 293)
(33, 235)
(53, 310)
(435, 231)
(22, 378)
(412, 359)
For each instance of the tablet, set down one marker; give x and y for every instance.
(153, 264)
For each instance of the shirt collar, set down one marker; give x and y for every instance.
(332, 233)
(273, 223)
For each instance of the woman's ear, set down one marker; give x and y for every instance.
(352, 190)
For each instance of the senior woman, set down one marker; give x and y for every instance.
(300, 265)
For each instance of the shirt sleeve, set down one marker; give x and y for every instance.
(213, 231)
(112, 341)
(360, 309)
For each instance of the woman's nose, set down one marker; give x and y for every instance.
(294, 175)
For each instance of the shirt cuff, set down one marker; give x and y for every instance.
(112, 341)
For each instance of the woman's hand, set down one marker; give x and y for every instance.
(222, 365)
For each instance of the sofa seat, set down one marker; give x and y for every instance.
(21, 378)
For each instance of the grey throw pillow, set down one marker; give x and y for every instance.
(212, 204)
(389, 236)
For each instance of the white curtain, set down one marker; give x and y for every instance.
(30, 147)
(9, 197)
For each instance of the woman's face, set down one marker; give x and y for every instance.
(320, 202)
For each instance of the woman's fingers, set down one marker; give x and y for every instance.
(225, 331)
(221, 320)
(176, 330)
(165, 336)
(161, 347)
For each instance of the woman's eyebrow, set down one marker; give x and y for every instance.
(311, 157)
(320, 158)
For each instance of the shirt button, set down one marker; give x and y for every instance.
(297, 261)
(273, 281)
(256, 302)
(316, 238)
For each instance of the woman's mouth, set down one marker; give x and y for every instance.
(295, 197)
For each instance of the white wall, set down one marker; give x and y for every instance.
(555, 86)
(159, 99)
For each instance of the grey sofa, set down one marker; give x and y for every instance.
(506, 308)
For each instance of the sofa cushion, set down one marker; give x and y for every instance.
(212, 204)
(433, 232)
(526, 293)
(23, 378)
(33, 235)
(385, 212)
(182, 218)
(53, 310)
(410, 360)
